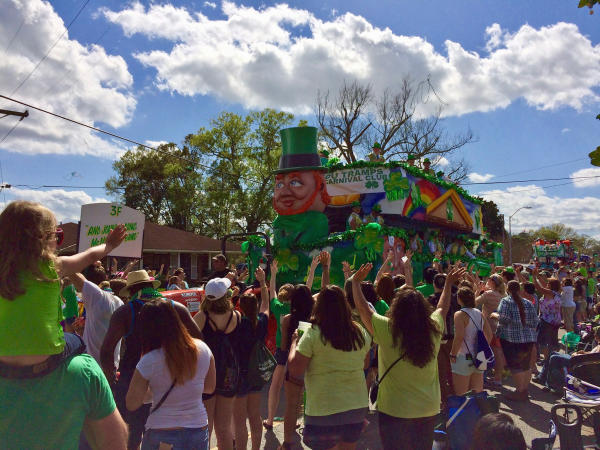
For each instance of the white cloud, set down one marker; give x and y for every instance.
(155, 143)
(580, 213)
(565, 130)
(81, 82)
(475, 177)
(587, 181)
(66, 205)
(212, 5)
(442, 162)
(279, 56)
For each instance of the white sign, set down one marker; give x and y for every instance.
(356, 181)
(97, 219)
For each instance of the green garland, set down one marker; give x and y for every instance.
(348, 235)
(332, 166)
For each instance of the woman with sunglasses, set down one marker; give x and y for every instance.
(30, 272)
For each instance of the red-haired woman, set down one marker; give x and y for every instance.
(178, 370)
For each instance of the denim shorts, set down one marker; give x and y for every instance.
(464, 366)
(182, 439)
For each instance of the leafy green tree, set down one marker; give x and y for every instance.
(493, 221)
(162, 183)
(240, 154)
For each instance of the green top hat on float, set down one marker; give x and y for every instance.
(377, 145)
(411, 157)
(426, 161)
(356, 204)
(299, 150)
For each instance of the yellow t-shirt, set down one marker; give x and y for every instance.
(334, 379)
(30, 323)
(407, 391)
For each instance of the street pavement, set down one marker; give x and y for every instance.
(533, 418)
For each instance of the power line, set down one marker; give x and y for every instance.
(10, 131)
(14, 36)
(529, 181)
(99, 130)
(539, 167)
(51, 48)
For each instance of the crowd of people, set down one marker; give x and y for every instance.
(143, 371)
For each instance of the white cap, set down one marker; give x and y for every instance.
(217, 288)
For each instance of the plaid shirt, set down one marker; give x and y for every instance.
(510, 328)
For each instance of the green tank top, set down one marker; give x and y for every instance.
(30, 324)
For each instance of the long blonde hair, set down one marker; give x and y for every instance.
(25, 232)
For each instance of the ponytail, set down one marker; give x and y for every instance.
(513, 288)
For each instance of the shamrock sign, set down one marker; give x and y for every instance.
(371, 184)
(368, 238)
(396, 186)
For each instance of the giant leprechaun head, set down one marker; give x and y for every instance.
(299, 180)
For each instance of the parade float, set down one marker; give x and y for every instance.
(548, 253)
(362, 211)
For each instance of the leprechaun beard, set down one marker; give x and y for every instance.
(325, 199)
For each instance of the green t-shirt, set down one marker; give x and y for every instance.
(591, 287)
(407, 391)
(426, 289)
(381, 307)
(30, 323)
(70, 296)
(279, 309)
(334, 379)
(48, 412)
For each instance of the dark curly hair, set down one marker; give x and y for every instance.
(385, 288)
(301, 305)
(413, 330)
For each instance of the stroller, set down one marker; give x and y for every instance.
(582, 389)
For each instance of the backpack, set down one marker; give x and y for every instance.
(227, 364)
(261, 365)
(483, 358)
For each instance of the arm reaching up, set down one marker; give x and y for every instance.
(76, 263)
(360, 301)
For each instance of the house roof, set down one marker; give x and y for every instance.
(157, 237)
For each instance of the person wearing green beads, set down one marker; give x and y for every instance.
(375, 215)
(354, 220)
(375, 155)
(427, 167)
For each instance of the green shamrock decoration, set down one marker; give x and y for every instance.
(368, 238)
(372, 184)
(415, 195)
(396, 186)
(287, 260)
(449, 210)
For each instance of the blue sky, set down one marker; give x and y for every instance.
(523, 76)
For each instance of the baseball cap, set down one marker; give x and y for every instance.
(217, 288)
(220, 257)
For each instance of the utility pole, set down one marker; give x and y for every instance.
(8, 112)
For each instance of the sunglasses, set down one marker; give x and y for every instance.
(60, 236)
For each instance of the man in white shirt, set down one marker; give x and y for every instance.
(99, 306)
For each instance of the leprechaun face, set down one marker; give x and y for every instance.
(298, 192)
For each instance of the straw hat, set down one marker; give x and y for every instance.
(138, 277)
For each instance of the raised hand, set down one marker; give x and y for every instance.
(455, 274)
(259, 274)
(115, 237)
(362, 273)
(315, 262)
(324, 258)
(274, 266)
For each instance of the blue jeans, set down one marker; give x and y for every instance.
(553, 370)
(184, 439)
